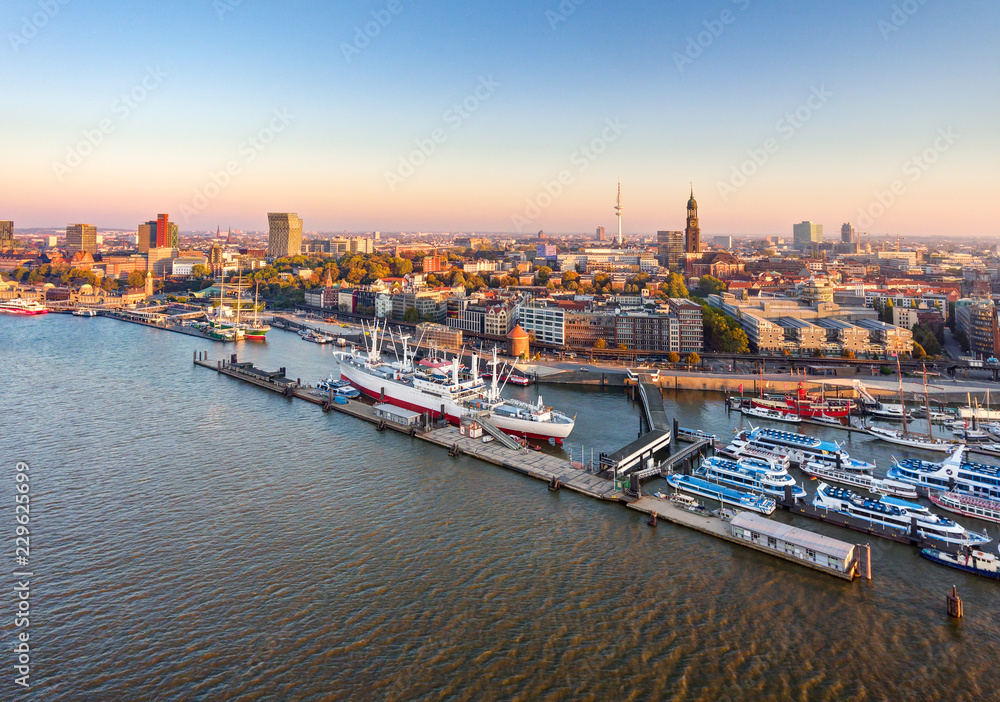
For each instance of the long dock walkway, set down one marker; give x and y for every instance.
(557, 472)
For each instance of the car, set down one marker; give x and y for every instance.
(585, 370)
(992, 360)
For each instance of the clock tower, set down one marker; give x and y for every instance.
(692, 233)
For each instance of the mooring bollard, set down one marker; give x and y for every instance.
(652, 520)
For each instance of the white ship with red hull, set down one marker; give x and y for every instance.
(22, 307)
(445, 391)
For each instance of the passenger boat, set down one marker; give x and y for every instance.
(854, 479)
(896, 514)
(973, 436)
(331, 383)
(518, 380)
(827, 419)
(22, 307)
(967, 505)
(685, 502)
(349, 392)
(444, 392)
(749, 474)
(772, 414)
(975, 561)
(799, 448)
(84, 312)
(720, 493)
(954, 474)
(919, 441)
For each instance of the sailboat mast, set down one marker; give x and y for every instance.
(902, 404)
(927, 407)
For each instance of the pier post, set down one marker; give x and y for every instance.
(865, 561)
(195, 359)
(954, 602)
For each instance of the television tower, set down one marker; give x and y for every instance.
(618, 212)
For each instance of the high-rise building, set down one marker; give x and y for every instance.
(284, 236)
(725, 242)
(670, 247)
(806, 234)
(692, 232)
(601, 234)
(7, 240)
(848, 233)
(81, 237)
(159, 233)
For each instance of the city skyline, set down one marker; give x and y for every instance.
(395, 117)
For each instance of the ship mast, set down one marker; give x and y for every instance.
(927, 407)
(902, 404)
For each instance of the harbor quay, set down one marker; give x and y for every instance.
(617, 480)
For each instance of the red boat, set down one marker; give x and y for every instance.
(806, 405)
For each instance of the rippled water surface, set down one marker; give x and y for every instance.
(197, 538)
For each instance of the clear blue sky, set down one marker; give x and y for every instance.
(342, 158)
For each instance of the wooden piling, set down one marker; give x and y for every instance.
(954, 602)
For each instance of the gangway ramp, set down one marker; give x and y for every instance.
(652, 407)
(497, 433)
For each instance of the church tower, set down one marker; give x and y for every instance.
(692, 233)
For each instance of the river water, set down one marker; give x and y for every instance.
(194, 537)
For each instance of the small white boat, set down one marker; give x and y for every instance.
(888, 410)
(84, 312)
(973, 436)
(772, 414)
(827, 419)
(895, 436)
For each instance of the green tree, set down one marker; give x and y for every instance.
(818, 353)
(411, 315)
(918, 350)
(674, 357)
(136, 279)
(710, 285)
(542, 275)
(675, 286)
(847, 353)
(692, 359)
(200, 271)
(600, 344)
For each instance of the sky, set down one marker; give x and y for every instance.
(400, 115)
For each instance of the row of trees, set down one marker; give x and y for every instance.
(61, 274)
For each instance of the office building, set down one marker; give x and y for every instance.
(548, 324)
(806, 234)
(284, 237)
(848, 233)
(601, 234)
(670, 248)
(159, 233)
(81, 237)
(690, 329)
(725, 242)
(692, 232)
(7, 240)
(977, 319)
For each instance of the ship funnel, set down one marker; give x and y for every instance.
(475, 366)
(454, 370)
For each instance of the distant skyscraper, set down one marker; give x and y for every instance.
(7, 235)
(81, 237)
(725, 242)
(848, 233)
(805, 234)
(284, 234)
(159, 233)
(601, 234)
(618, 212)
(692, 232)
(670, 246)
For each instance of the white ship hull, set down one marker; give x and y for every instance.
(442, 406)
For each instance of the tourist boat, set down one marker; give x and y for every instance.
(772, 414)
(518, 380)
(904, 438)
(720, 493)
(896, 514)
(22, 307)
(967, 505)
(865, 481)
(951, 475)
(331, 383)
(749, 474)
(446, 392)
(84, 312)
(975, 561)
(799, 448)
(886, 410)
